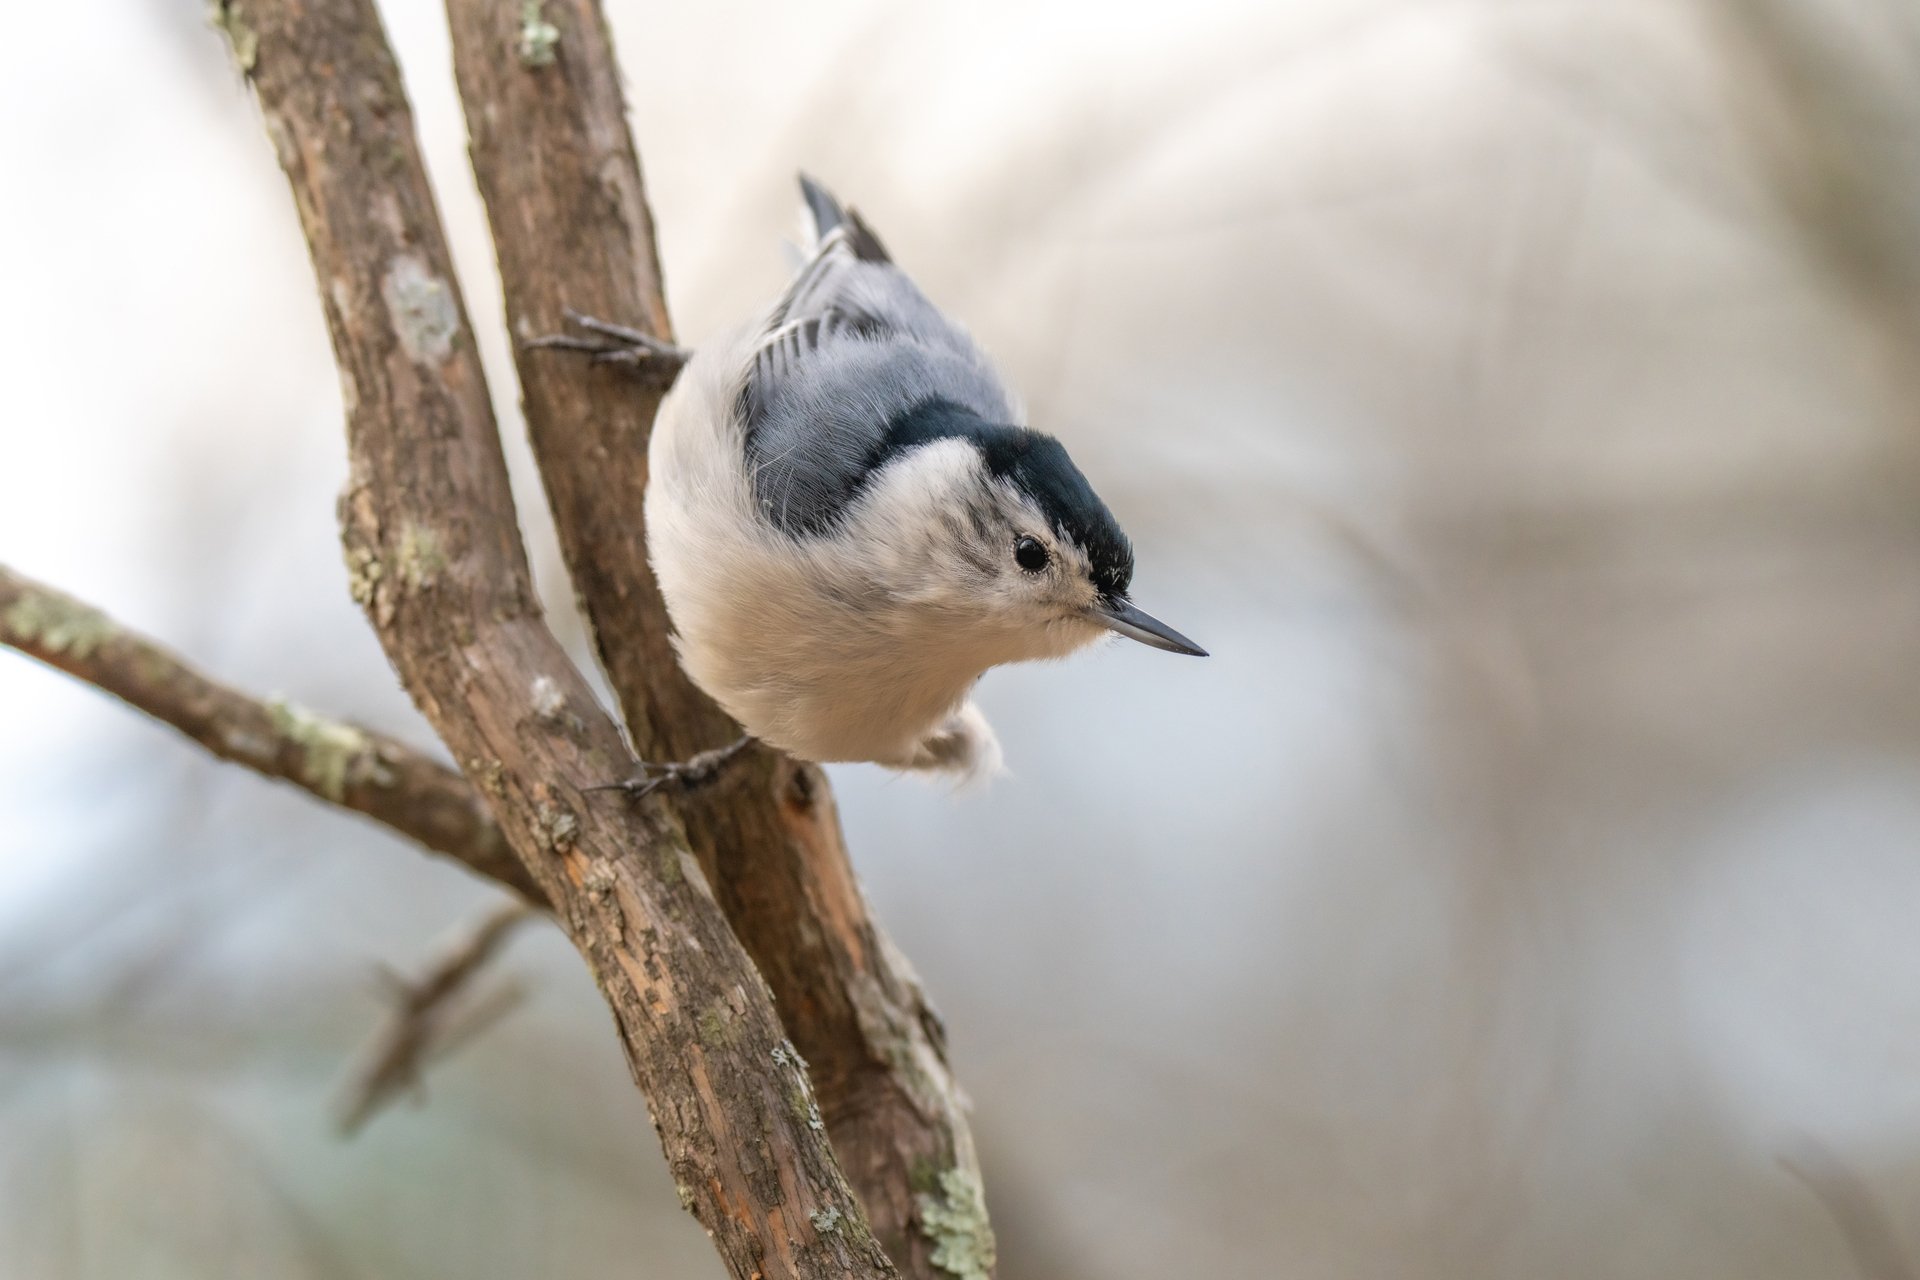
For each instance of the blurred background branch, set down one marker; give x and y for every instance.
(425, 1019)
(1870, 1236)
(1827, 100)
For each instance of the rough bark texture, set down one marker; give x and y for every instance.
(435, 555)
(557, 169)
(341, 763)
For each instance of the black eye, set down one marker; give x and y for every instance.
(1029, 554)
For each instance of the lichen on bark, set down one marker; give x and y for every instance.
(242, 40)
(956, 1221)
(333, 755)
(57, 624)
(538, 37)
(425, 315)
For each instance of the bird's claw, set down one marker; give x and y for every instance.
(614, 344)
(693, 772)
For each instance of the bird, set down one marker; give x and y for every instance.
(851, 522)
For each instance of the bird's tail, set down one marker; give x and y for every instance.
(827, 215)
(823, 212)
(963, 748)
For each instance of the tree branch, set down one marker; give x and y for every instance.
(435, 554)
(340, 763)
(571, 227)
(419, 1022)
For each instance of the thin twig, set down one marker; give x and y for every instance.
(421, 1024)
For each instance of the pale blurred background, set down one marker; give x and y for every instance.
(1522, 401)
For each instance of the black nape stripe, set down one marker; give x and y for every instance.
(1037, 464)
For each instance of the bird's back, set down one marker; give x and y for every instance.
(850, 347)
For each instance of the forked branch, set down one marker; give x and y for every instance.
(434, 548)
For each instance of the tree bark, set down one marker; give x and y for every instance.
(434, 553)
(340, 763)
(557, 169)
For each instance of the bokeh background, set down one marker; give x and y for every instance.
(1522, 401)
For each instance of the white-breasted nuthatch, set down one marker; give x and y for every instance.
(850, 528)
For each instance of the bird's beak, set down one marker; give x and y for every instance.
(1118, 615)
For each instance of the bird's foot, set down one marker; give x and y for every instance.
(615, 344)
(688, 775)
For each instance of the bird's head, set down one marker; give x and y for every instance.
(998, 542)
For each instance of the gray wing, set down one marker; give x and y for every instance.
(852, 345)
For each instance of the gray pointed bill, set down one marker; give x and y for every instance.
(1121, 617)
